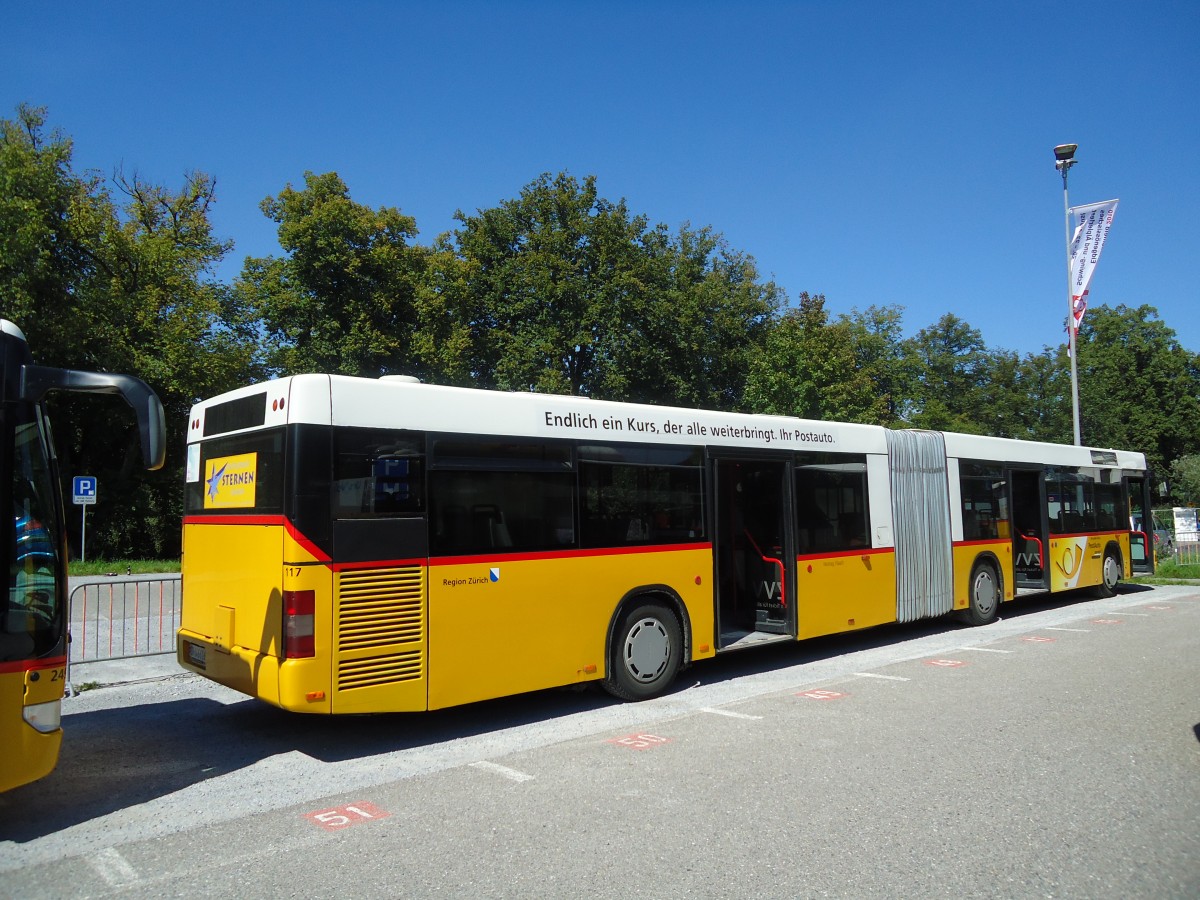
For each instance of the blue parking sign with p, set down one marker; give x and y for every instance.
(83, 489)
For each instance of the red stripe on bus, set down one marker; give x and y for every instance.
(294, 533)
(377, 564)
(32, 665)
(234, 520)
(862, 551)
(989, 542)
(564, 554)
(278, 521)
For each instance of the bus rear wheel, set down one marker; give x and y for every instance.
(984, 601)
(1111, 574)
(645, 654)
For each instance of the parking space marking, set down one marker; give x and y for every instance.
(884, 677)
(503, 771)
(818, 694)
(1077, 630)
(1107, 622)
(727, 712)
(113, 867)
(640, 741)
(1159, 607)
(985, 650)
(1038, 639)
(340, 817)
(946, 663)
(1146, 615)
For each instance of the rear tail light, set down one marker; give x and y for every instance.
(300, 609)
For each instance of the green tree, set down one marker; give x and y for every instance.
(560, 290)
(954, 367)
(887, 361)
(1044, 393)
(1185, 480)
(344, 297)
(1139, 389)
(123, 286)
(810, 369)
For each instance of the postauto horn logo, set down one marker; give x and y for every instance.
(229, 481)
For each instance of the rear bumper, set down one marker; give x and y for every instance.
(283, 683)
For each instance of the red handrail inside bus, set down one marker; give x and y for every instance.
(1036, 540)
(770, 559)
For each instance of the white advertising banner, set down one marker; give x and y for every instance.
(1092, 224)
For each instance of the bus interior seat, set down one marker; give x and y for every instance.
(488, 526)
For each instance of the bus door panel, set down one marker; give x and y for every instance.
(1031, 531)
(753, 548)
(1141, 525)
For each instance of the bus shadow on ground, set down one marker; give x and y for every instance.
(115, 759)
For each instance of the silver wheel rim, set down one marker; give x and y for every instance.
(985, 593)
(1112, 574)
(647, 650)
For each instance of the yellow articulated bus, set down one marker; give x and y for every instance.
(33, 626)
(355, 545)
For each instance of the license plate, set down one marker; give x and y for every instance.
(194, 653)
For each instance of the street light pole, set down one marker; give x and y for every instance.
(1064, 156)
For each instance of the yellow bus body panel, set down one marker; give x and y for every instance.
(234, 576)
(1078, 560)
(28, 754)
(505, 626)
(228, 568)
(845, 592)
(965, 556)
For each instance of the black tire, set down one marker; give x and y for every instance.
(985, 593)
(1111, 574)
(645, 654)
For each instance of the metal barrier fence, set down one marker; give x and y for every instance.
(122, 617)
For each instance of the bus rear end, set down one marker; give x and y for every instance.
(250, 582)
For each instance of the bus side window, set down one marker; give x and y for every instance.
(831, 502)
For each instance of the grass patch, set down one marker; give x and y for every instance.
(123, 566)
(1168, 571)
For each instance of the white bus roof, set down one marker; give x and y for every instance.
(342, 400)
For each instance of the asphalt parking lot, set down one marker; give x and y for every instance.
(1054, 753)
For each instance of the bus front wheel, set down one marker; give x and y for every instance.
(645, 654)
(984, 601)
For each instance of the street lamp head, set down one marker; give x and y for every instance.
(1065, 152)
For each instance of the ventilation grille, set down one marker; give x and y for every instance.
(378, 611)
(376, 670)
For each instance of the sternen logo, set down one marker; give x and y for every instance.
(229, 481)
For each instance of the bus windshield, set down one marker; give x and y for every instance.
(32, 623)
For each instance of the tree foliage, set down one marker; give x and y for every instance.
(116, 279)
(556, 290)
(563, 291)
(1137, 385)
(343, 298)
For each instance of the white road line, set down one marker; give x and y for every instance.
(877, 675)
(986, 650)
(1079, 630)
(505, 771)
(113, 867)
(726, 712)
(1146, 615)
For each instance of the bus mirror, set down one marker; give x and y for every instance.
(37, 381)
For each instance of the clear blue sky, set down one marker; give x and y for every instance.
(878, 153)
